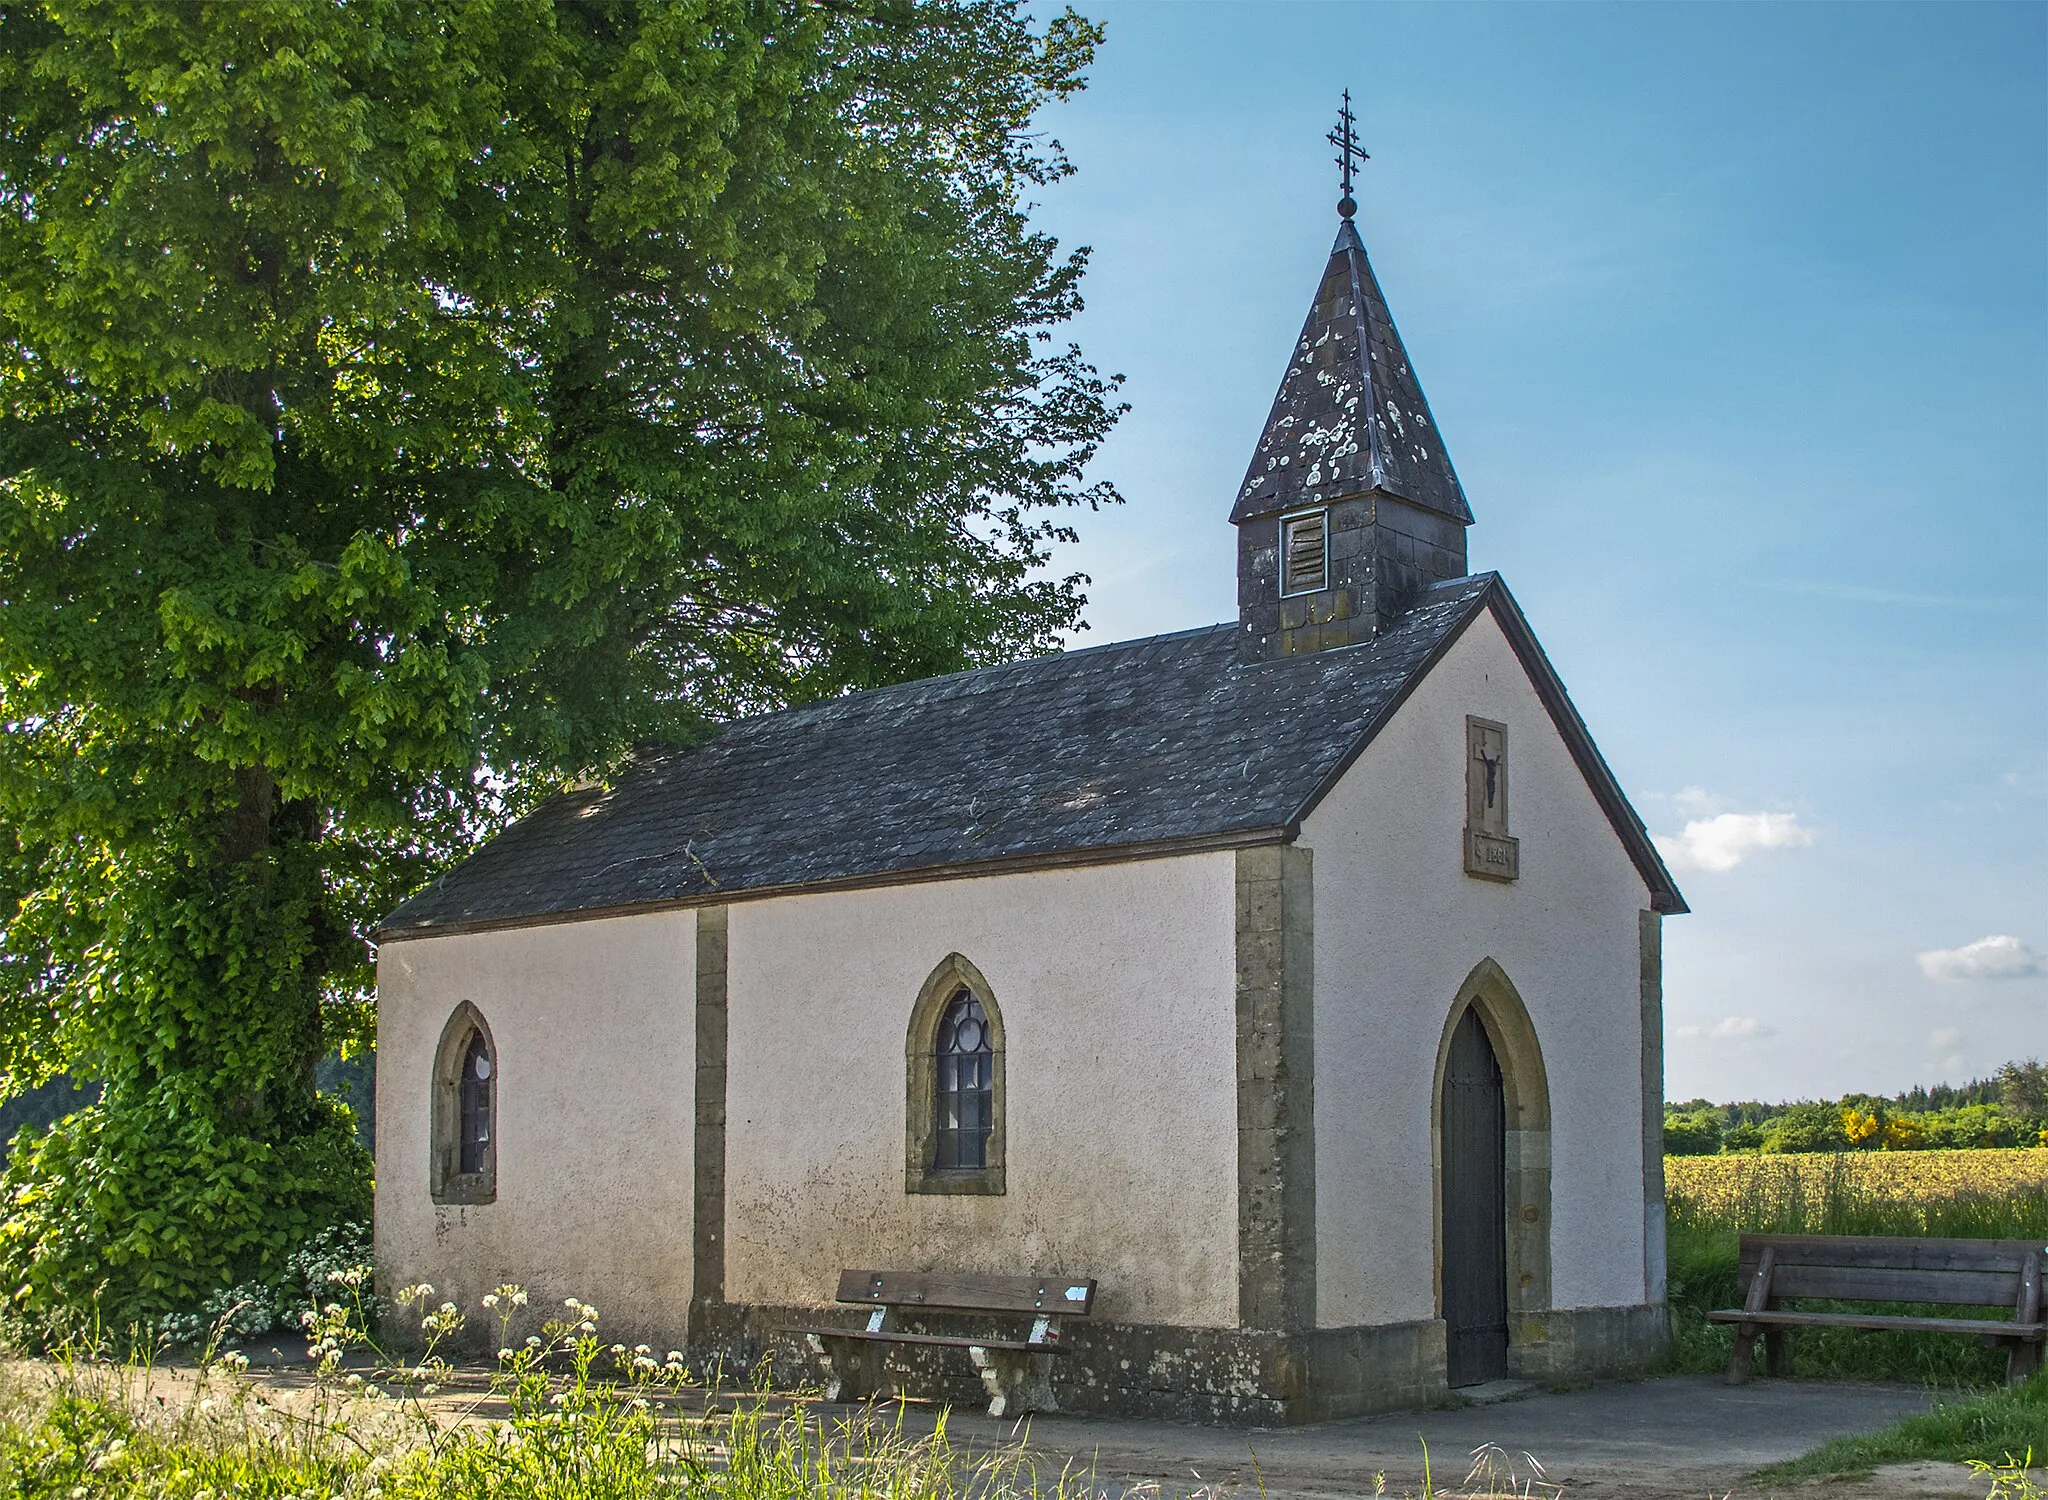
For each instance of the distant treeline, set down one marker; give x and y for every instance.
(2010, 1108)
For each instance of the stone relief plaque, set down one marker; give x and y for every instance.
(1491, 852)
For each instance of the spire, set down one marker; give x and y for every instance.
(1350, 505)
(1350, 416)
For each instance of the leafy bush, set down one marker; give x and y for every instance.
(127, 1216)
(1805, 1127)
(311, 1273)
(1694, 1132)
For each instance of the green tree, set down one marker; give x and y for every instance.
(1692, 1131)
(407, 405)
(2023, 1089)
(1803, 1127)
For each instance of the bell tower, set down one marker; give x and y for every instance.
(1350, 505)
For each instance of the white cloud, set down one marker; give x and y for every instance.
(1998, 957)
(1738, 1028)
(1948, 1036)
(1725, 840)
(1727, 1029)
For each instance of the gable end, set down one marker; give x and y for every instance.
(1550, 690)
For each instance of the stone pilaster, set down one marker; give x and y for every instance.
(708, 1219)
(1276, 1189)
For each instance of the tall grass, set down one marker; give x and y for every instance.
(569, 1418)
(1713, 1200)
(80, 1432)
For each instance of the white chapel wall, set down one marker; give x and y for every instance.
(1116, 986)
(594, 1024)
(1399, 926)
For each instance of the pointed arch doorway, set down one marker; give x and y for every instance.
(1475, 1261)
(1491, 1129)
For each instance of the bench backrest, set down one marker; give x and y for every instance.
(1065, 1297)
(1978, 1273)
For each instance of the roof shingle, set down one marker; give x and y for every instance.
(1164, 740)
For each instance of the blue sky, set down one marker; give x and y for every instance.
(1735, 321)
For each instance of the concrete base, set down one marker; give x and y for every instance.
(1226, 1376)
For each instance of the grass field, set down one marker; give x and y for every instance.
(1963, 1194)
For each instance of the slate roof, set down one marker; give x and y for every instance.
(1169, 741)
(1349, 416)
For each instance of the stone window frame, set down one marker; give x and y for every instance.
(921, 1081)
(445, 1183)
(1322, 514)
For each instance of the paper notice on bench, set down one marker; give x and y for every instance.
(1077, 1294)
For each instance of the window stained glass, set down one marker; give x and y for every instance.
(475, 1092)
(966, 1091)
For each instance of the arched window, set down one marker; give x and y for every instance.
(966, 1087)
(953, 1065)
(464, 1167)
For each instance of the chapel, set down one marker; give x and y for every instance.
(1296, 980)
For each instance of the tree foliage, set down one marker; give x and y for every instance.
(409, 404)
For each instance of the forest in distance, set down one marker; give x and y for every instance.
(2006, 1110)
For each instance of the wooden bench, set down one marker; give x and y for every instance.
(2005, 1274)
(1017, 1372)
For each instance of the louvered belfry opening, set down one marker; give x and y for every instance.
(1305, 553)
(1350, 507)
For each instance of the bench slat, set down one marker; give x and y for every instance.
(1896, 1284)
(1062, 1297)
(946, 1340)
(1782, 1319)
(1999, 1256)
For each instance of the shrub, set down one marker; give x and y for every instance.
(1694, 1132)
(116, 1215)
(1805, 1128)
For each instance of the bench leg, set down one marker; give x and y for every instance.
(2022, 1360)
(1745, 1352)
(1778, 1351)
(1016, 1382)
(853, 1367)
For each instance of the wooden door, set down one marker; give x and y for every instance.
(1475, 1208)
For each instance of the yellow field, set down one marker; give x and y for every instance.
(1817, 1192)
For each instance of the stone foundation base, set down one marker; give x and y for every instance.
(1225, 1376)
(1586, 1343)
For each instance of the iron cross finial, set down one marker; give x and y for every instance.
(1349, 153)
